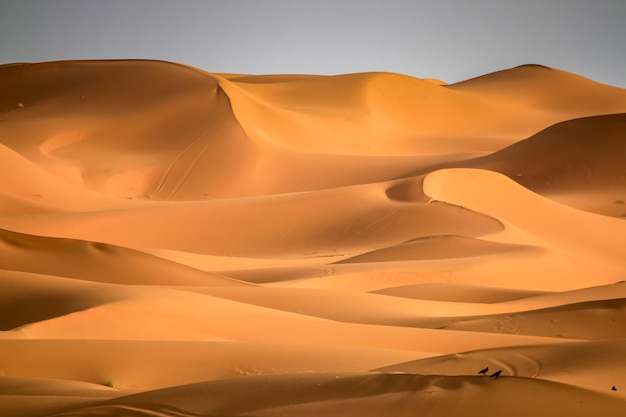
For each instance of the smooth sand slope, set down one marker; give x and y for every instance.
(181, 243)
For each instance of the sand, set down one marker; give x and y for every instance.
(175, 242)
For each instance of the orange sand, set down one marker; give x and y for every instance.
(181, 243)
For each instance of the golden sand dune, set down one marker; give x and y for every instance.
(361, 394)
(181, 243)
(586, 364)
(578, 162)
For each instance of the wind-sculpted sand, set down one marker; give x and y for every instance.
(181, 243)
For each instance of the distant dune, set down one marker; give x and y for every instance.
(181, 243)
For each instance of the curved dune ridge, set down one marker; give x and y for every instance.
(175, 242)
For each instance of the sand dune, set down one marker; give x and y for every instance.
(94, 261)
(595, 365)
(23, 397)
(579, 162)
(175, 242)
(366, 395)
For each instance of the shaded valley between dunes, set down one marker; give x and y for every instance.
(175, 242)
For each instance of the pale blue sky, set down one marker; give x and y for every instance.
(447, 39)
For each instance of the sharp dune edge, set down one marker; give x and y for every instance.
(181, 243)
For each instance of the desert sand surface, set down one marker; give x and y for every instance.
(175, 242)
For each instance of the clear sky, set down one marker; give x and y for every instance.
(447, 39)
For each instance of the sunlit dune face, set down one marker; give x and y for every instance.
(176, 242)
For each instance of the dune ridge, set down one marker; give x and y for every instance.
(179, 242)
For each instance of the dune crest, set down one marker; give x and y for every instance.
(180, 242)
